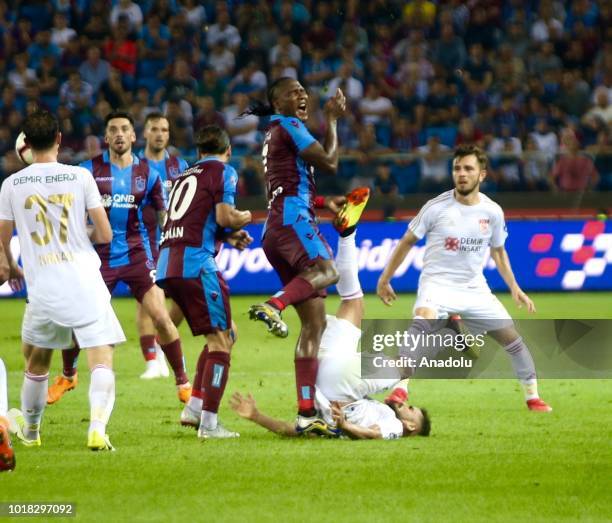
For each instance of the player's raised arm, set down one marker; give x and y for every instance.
(246, 408)
(502, 262)
(325, 157)
(383, 288)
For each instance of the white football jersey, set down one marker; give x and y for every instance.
(48, 203)
(366, 413)
(458, 239)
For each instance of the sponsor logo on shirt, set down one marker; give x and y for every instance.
(120, 201)
(140, 183)
(484, 225)
(464, 244)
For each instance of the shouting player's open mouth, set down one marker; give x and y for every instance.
(302, 110)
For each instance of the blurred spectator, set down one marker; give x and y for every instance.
(469, 134)
(179, 85)
(210, 85)
(94, 70)
(129, 11)
(449, 53)
(21, 73)
(405, 136)
(386, 187)
(317, 71)
(477, 68)
(41, 47)
(536, 166)
(479, 30)
(251, 80)
(207, 113)
(122, 53)
(71, 58)
(546, 27)
(223, 33)
(351, 86)
(505, 152)
(545, 139)
(241, 128)
(573, 171)
(195, 13)
(602, 108)
(601, 151)
(319, 37)
(285, 47)
(221, 60)
(96, 30)
(545, 59)
(75, 93)
(573, 95)
(517, 39)
(113, 91)
(61, 34)
(441, 108)
(92, 147)
(251, 177)
(419, 13)
(434, 160)
(374, 108)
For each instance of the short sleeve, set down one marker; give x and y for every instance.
(500, 231)
(6, 209)
(391, 428)
(230, 181)
(421, 223)
(298, 133)
(92, 193)
(156, 194)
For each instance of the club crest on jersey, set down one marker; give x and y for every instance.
(140, 183)
(294, 123)
(484, 225)
(173, 172)
(451, 244)
(214, 295)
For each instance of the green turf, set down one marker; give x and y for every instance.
(488, 458)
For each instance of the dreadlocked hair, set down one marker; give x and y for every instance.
(259, 108)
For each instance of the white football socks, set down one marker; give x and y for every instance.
(101, 397)
(33, 401)
(208, 420)
(524, 367)
(195, 404)
(347, 264)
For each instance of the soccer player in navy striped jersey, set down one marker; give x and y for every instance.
(201, 215)
(127, 183)
(292, 241)
(157, 137)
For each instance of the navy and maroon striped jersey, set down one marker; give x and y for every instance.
(191, 238)
(125, 192)
(289, 179)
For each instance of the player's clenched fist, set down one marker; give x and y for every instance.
(385, 292)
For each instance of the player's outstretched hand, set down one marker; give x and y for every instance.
(385, 292)
(520, 298)
(239, 239)
(335, 203)
(245, 407)
(336, 106)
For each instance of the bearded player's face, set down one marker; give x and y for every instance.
(467, 174)
(157, 134)
(119, 135)
(293, 100)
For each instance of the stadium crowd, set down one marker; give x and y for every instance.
(528, 80)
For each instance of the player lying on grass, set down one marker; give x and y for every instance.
(201, 215)
(342, 395)
(461, 225)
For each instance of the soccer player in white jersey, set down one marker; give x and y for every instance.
(460, 226)
(48, 203)
(342, 395)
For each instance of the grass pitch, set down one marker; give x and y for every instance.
(488, 458)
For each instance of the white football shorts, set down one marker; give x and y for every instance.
(38, 330)
(479, 308)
